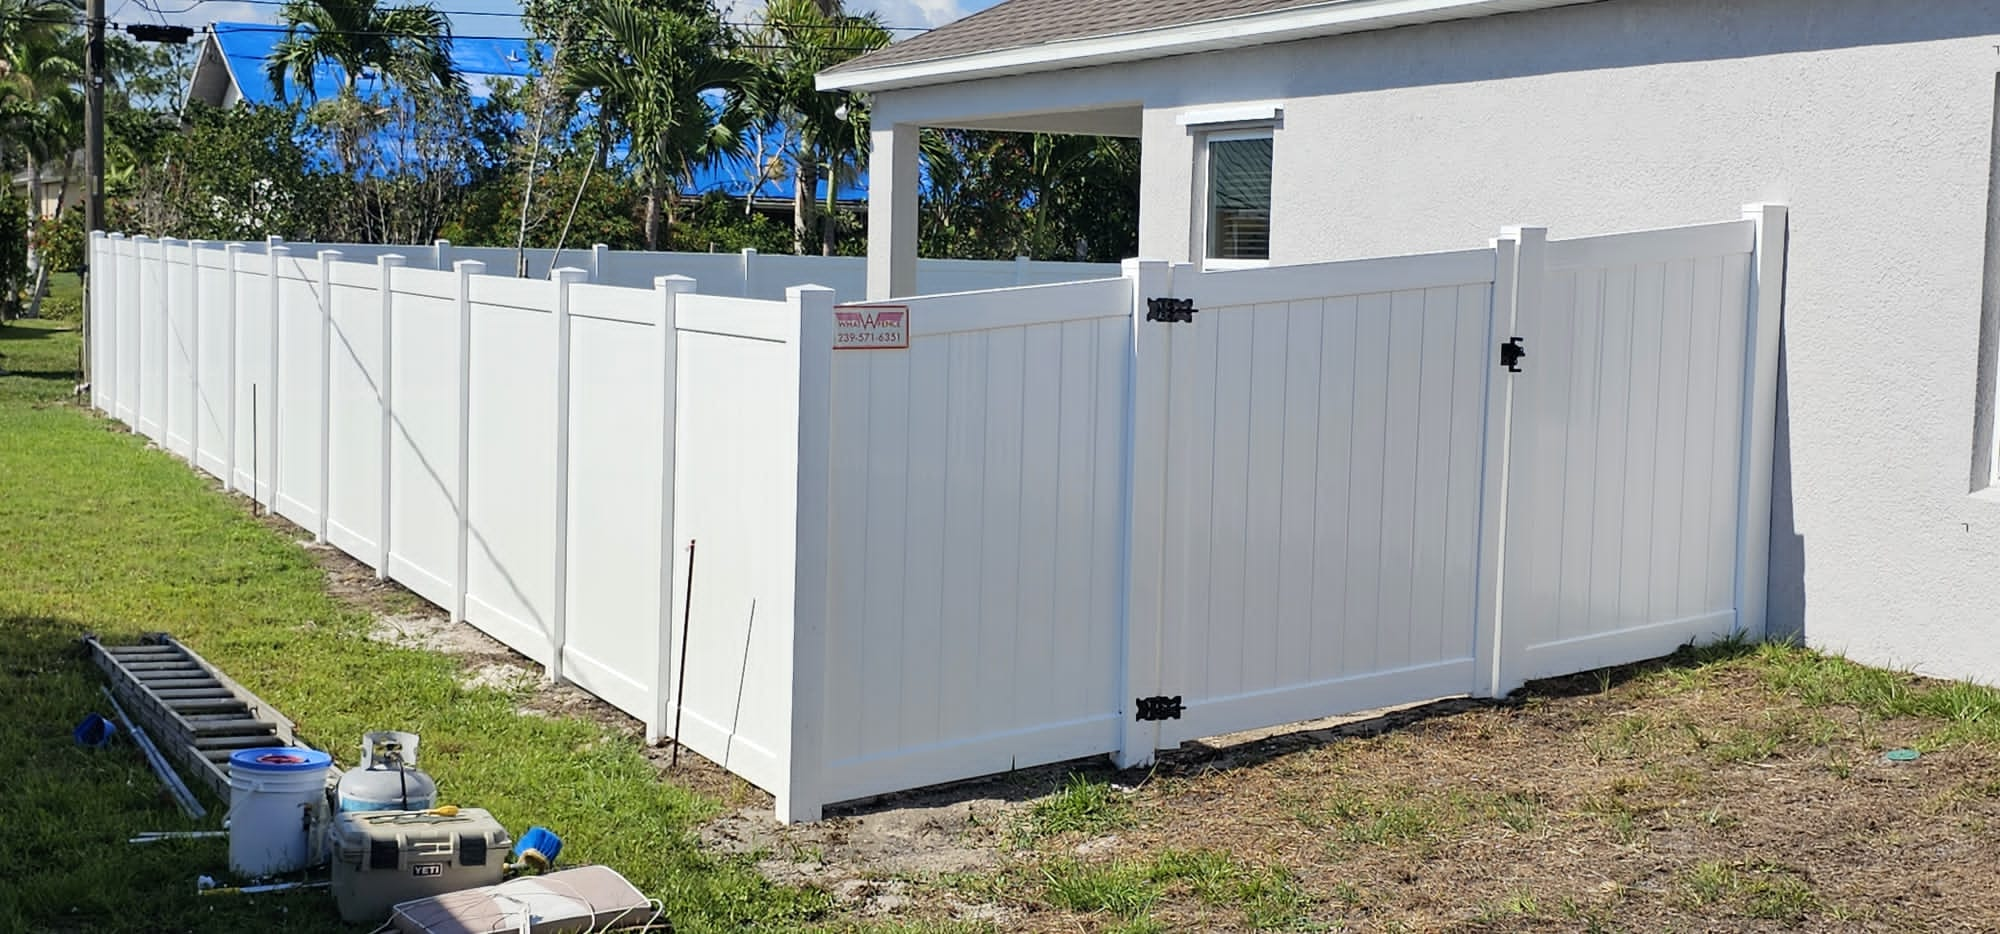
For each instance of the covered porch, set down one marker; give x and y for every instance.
(899, 118)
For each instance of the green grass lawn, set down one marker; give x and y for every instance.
(100, 534)
(65, 285)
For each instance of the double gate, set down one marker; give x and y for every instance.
(1380, 482)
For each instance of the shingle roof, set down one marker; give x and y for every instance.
(1019, 23)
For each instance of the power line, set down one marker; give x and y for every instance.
(503, 13)
(259, 27)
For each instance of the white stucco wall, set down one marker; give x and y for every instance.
(1873, 120)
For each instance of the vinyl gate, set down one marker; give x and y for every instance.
(1345, 498)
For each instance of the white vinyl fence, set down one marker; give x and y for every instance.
(1012, 526)
(748, 274)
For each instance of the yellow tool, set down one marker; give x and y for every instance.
(411, 817)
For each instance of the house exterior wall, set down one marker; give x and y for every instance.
(1874, 122)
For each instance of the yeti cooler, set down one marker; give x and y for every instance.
(381, 858)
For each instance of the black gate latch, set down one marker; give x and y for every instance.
(1170, 310)
(1511, 354)
(1160, 708)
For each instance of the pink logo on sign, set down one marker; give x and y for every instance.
(871, 327)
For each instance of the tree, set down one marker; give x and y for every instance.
(239, 173)
(996, 195)
(798, 40)
(653, 75)
(42, 54)
(408, 45)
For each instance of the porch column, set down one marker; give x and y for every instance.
(892, 211)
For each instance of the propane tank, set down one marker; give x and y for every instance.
(388, 779)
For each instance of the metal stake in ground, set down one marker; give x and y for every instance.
(681, 680)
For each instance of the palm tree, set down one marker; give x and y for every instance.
(653, 76)
(41, 71)
(408, 45)
(798, 40)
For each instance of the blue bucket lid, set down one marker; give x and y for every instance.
(279, 759)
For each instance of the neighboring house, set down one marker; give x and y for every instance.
(1291, 131)
(46, 196)
(229, 69)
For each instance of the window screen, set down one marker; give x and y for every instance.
(1239, 198)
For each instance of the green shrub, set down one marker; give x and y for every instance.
(60, 243)
(62, 308)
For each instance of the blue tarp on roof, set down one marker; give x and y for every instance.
(246, 46)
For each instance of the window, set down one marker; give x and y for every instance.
(1238, 201)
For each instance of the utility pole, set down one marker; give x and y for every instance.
(93, 149)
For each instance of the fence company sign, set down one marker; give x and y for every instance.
(871, 327)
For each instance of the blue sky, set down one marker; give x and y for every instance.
(470, 16)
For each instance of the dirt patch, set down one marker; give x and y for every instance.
(400, 617)
(1681, 800)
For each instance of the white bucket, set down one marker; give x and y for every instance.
(275, 794)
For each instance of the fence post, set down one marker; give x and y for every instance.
(1529, 273)
(1144, 473)
(387, 397)
(194, 351)
(278, 256)
(798, 797)
(559, 611)
(670, 289)
(1021, 270)
(229, 256)
(441, 255)
(1496, 431)
(326, 260)
(749, 261)
(466, 270)
(1760, 412)
(598, 252)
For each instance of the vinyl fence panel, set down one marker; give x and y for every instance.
(357, 381)
(154, 325)
(736, 482)
(616, 496)
(300, 384)
(256, 376)
(424, 456)
(183, 346)
(511, 453)
(128, 320)
(977, 539)
(215, 343)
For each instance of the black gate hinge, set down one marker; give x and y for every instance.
(1171, 310)
(1160, 707)
(1511, 354)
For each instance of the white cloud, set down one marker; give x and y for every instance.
(928, 13)
(201, 14)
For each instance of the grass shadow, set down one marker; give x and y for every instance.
(16, 332)
(1216, 753)
(1599, 680)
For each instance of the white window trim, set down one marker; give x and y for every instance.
(1199, 245)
